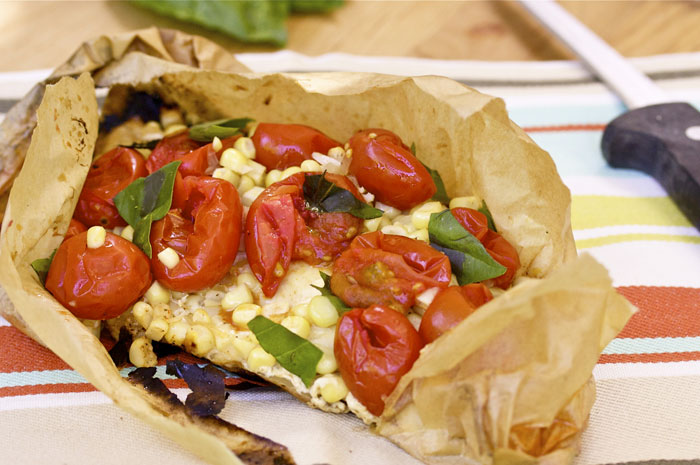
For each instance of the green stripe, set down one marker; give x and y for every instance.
(33, 378)
(653, 345)
(605, 240)
(595, 211)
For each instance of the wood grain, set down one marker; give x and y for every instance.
(43, 34)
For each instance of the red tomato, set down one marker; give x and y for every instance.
(449, 307)
(197, 159)
(279, 229)
(108, 176)
(383, 165)
(374, 348)
(388, 269)
(279, 146)
(204, 229)
(499, 248)
(74, 228)
(100, 283)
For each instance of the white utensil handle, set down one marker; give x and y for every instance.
(634, 87)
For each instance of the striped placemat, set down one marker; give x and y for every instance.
(648, 379)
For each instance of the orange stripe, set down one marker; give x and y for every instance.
(566, 127)
(650, 358)
(663, 311)
(22, 353)
(64, 388)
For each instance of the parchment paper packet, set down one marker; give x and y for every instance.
(512, 379)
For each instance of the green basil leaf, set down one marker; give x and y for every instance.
(41, 266)
(314, 6)
(469, 259)
(293, 352)
(485, 210)
(441, 194)
(147, 200)
(151, 144)
(221, 128)
(326, 291)
(324, 196)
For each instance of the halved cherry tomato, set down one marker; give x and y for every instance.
(98, 283)
(383, 165)
(74, 228)
(204, 229)
(279, 229)
(388, 269)
(197, 159)
(496, 245)
(374, 348)
(449, 307)
(279, 146)
(108, 176)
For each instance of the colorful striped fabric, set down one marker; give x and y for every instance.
(648, 379)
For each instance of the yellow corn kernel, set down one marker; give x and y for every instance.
(298, 325)
(310, 166)
(348, 153)
(333, 388)
(143, 313)
(414, 318)
(465, 202)
(234, 160)
(395, 229)
(258, 358)
(425, 298)
(244, 345)
(389, 212)
(170, 116)
(257, 172)
(251, 127)
(96, 236)
(245, 146)
(169, 258)
(162, 311)
(237, 296)
(174, 129)
(420, 234)
(327, 364)
(373, 224)
(157, 294)
(157, 329)
(337, 152)
(177, 332)
(272, 177)
(192, 301)
(323, 338)
(216, 144)
(250, 195)
(151, 128)
(128, 233)
(244, 313)
(199, 340)
(301, 310)
(249, 280)
(141, 353)
(405, 222)
(420, 217)
(322, 312)
(245, 184)
(227, 175)
(290, 171)
(201, 316)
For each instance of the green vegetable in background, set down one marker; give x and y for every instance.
(246, 20)
(326, 291)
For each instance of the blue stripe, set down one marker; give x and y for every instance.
(32, 378)
(653, 345)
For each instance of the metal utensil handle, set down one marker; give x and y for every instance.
(635, 88)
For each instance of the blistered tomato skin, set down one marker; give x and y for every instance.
(74, 228)
(99, 283)
(374, 348)
(385, 166)
(204, 228)
(196, 159)
(449, 307)
(388, 269)
(108, 176)
(279, 146)
(496, 245)
(279, 229)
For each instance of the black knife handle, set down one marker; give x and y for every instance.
(655, 140)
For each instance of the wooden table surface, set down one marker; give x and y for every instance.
(43, 34)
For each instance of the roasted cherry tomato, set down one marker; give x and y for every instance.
(74, 228)
(204, 229)
(383, 165)
(388, 269)
(449, 307)
(496, 245)
(374, 347)
(279, 229)
(108, 176)
(197, 159)
(279, 146)
(100, 283)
